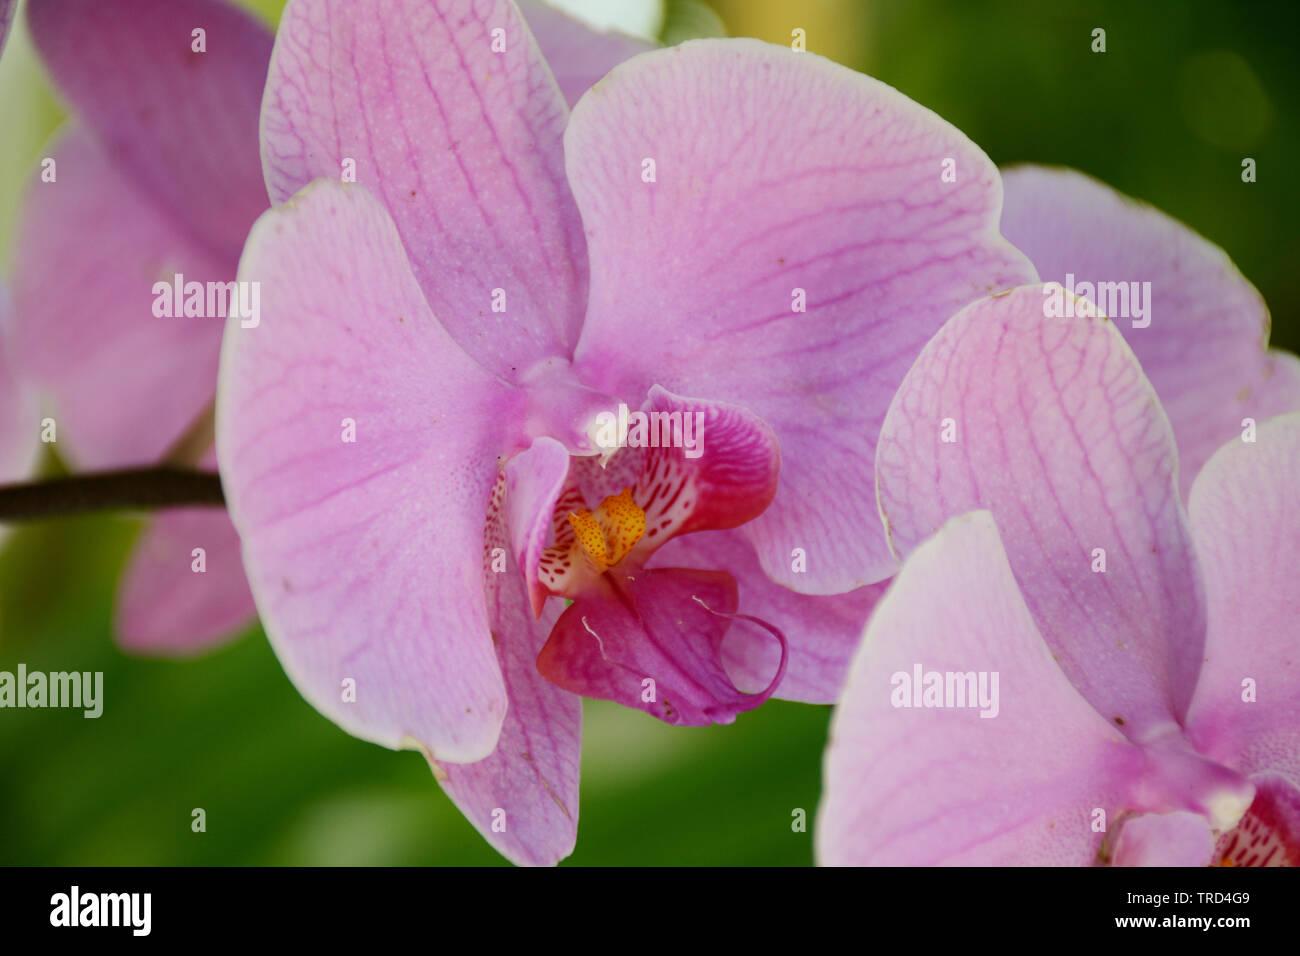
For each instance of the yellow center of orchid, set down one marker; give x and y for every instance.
(608, 534)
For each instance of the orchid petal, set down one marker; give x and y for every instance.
(524, 797)
(461, 143)
(654, 643)
(1180, 838)
(19, 421)
(779, 174)
(823, 630)
(164, 605)
(1050, 424)
(725, 481)
(577, 54)
(1202, 341)
(364, 557)
(1245, 515)
(918, 786)
(1280, 390)
(87, 333)
(532, 776)
(182, 123)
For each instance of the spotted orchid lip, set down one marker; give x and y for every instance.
(649, 494)
(627, 625)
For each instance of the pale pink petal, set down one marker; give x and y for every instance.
(917, 786)
(461, 143)
(524, 797)
(577, 54)
(1204, 348)
(1180, 838)
(1245, 514)
(774, 172)
(528, 787)
(121, 382)
(167, 607)
(19, 414)
(1055, 430)
(182, 123)
(365, 557)
(823, 630)
(1280, 390)
(654, 642)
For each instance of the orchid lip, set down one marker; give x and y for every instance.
(649, 638)
(1268, 833)
(775, 631)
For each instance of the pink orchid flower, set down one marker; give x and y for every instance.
(157, 175)
(409, 441)
(160, 176)
(1135, 658)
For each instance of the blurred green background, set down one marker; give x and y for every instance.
(1184, 92)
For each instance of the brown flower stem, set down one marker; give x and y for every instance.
(131, 489)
